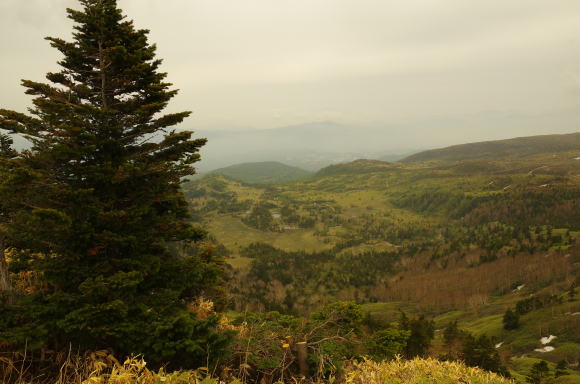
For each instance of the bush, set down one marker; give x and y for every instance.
(419, 371)
(387, 343)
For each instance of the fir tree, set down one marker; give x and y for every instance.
(511, 320)
(539, 373)
(451, 333)
(99, 203)
(6, 154)
(561, 368)
(481, 352)
(453, 338)
(421, 332)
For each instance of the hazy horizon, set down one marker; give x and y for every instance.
(399, 74)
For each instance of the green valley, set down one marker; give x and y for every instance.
(457, 242)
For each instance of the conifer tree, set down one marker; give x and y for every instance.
(421, 332)
(99, 203)
(561, 369)
(481, 352)
(511, 320)
(6, 154)
(539, 373)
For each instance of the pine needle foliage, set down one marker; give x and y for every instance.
(97, 203)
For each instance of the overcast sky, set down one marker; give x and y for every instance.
(271, 63)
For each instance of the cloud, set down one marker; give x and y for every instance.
(267, 63)
(573, 79)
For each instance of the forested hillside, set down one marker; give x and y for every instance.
(459, 242)
(262, 172)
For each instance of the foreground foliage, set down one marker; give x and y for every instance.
(102, 368)
(420, 371)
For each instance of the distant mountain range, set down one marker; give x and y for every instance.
(313, 146)
(275, 171)
(309, 146)
(510, 148)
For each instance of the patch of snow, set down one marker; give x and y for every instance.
(535, 169)
(519, 288)
(545, 349)
(498, 345)
(544, 185)
(547, 340)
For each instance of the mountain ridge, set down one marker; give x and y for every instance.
(514, 148)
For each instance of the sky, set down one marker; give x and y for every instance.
(489, 68)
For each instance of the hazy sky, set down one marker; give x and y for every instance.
(271, 63)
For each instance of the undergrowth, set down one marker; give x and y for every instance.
(103, 368)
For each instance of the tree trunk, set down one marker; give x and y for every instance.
(302, 356)
(5, 285)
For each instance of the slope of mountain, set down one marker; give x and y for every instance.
(356, 167)
(446, 240)
(491, 150)
(263, 172)
(397, 219)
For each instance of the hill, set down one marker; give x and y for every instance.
(263, 172)
(492, 150)
(360, 166)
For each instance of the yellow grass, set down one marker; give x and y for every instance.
(419, 371)
(102, 368)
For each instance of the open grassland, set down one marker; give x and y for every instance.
(231, 232)
(522, 367)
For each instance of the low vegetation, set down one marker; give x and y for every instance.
(420, 371)
(102, 368)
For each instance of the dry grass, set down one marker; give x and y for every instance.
(102, 368)
(419, 371)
